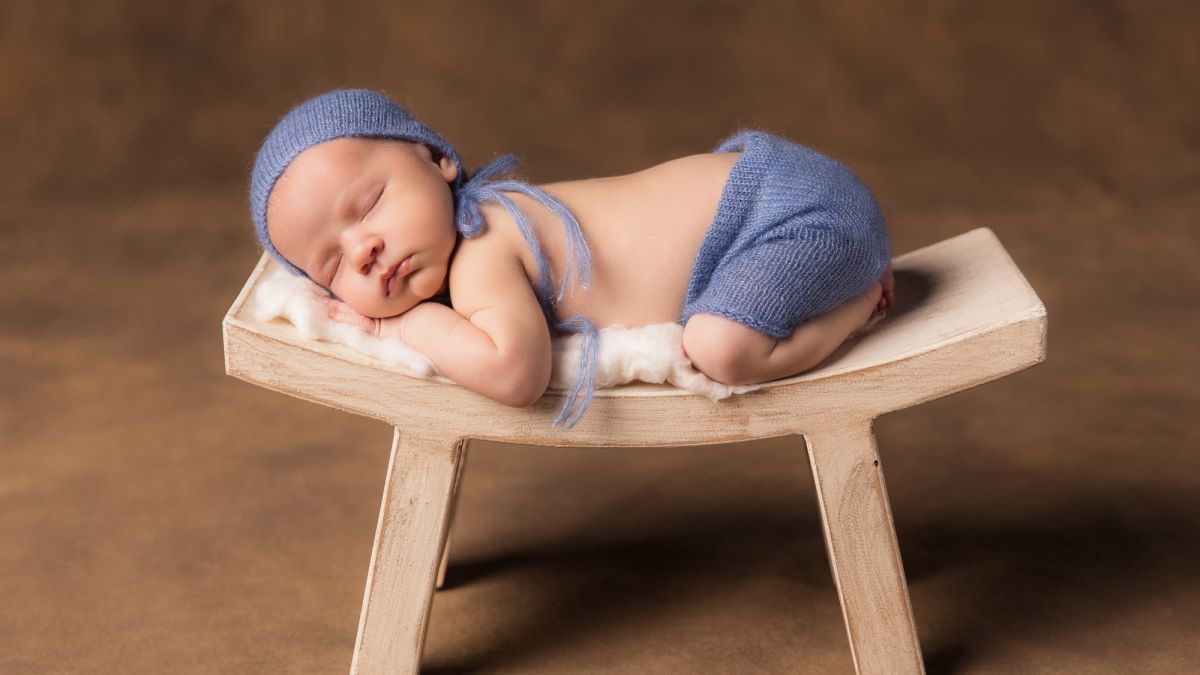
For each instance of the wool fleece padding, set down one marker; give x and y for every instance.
(652, 353)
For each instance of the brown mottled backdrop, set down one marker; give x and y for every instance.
(157, 516)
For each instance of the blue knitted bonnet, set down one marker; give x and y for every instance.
(365, 113)
(336, 114)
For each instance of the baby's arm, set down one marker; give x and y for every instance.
(498, 346)
(462, 349)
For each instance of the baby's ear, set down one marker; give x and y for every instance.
(445, 164)
(449, 169)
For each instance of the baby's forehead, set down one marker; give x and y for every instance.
(319, 172)
(302, 191)
(336, 157)
(315, 167)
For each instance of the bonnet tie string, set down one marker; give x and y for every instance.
(485, 186)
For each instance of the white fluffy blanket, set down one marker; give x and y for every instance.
(648, 353)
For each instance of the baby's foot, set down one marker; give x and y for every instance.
(888, 284)
(870, 302)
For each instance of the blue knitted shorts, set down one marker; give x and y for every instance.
(795, 235)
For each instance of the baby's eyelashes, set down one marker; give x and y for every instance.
(374, 201)
(337, 263)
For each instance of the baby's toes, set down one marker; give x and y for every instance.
(888, 279)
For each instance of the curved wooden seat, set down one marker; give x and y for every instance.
(964, 315)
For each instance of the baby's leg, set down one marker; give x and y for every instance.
(733, 353)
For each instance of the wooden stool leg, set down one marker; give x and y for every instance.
(860, 539)
(409, 537)
(462, 466)
(441, 576)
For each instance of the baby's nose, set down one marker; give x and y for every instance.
(368, 252)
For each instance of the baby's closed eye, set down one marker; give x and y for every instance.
(337, 264)
(374, 201)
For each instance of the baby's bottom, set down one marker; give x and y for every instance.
(732, 353)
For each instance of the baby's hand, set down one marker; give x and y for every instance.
(888, 281)
(341, 312)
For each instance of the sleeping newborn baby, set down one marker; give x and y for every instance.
(768, 253)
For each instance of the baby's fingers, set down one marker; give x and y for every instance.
(341, 312)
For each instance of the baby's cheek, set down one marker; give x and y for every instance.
(373, 311)
(353, 293)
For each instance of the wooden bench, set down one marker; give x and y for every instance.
(964, 315)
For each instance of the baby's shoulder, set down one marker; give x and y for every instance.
(482, 262)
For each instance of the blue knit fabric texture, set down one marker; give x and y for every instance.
(795, 235)
(364, 113)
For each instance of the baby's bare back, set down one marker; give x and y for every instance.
(643, 229)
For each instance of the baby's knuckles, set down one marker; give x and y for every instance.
(342, 313)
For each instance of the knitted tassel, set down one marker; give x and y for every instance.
(481, 188)
(586, 374)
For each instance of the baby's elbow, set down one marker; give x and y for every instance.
(525, 399)
(519, 395)
(526, 386)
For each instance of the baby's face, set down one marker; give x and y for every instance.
(350, 210)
